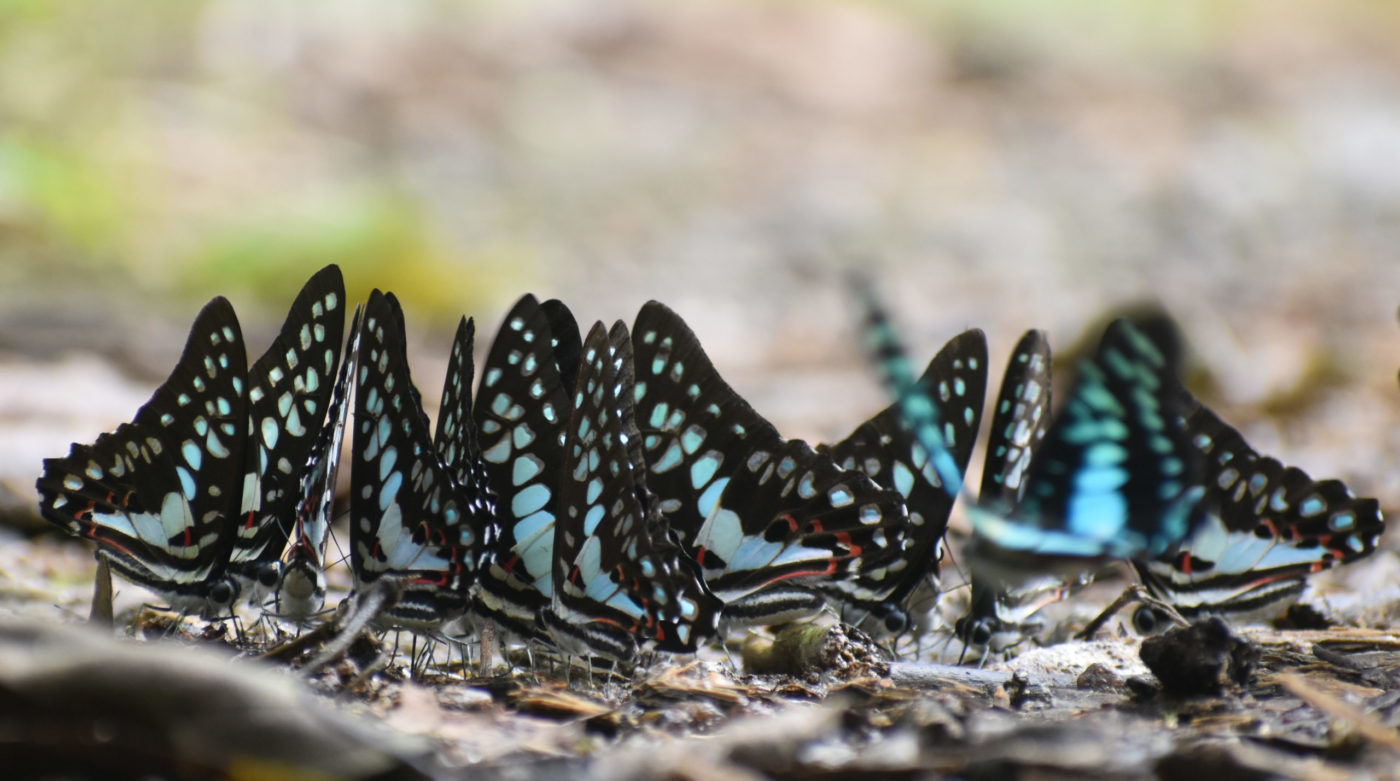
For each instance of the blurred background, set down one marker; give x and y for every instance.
(993, 163)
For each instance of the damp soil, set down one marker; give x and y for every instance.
(1255, 701)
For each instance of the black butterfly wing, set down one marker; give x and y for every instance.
(456, 436)
(289, 389)
(757, 511)
(1019, 421)
(1116, 475)
(1267, 527)
(301, 592)
(159, 496)
(564, 336)
(884, 449)
(620, 579)
(521, 413)
(694, 426)
(407, 520)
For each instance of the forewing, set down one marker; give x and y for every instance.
(1116, 474)
(617, 565)
(521, 415)
(406, 519)
(289, 389)
(565, 339)
(755, 509)
(885, 449)
(1019, 420)
(159, 494)
(301, 591)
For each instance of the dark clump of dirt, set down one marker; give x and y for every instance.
(1199, 659)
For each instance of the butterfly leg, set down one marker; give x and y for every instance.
(1132, 594)
(174, 625)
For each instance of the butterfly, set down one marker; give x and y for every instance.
(1116, 475)
(522, 412)
(1021, 413)
(289, 389)
(768, 519)
(177, 501)
(883, 449)
(161, 495)
(1267, 527)
(301, 592)
(620, 579)
(410, 517)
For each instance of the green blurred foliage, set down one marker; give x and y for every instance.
(122, 147)
(213, 145)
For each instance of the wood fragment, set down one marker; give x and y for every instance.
(101, 613)
(1341, 710)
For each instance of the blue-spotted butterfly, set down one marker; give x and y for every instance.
(160, 496)
(621, 581)
(289, 389)
(1115, 477)
(996, 617)
(1266, 528)
(768, 519)
(521, 412)
(175, 501)
(885, 450)
(301, 592)
(410, 518)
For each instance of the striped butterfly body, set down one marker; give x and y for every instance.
(621, 581)
(522, 414)
(1116, 475)
(301, 592)
(289, 389)
(769, 520)
(161, 495)
(410, 518)
(885, 450)
(1267, 527)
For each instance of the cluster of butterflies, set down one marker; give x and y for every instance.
(611, 493)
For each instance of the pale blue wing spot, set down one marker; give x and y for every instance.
(530, 500)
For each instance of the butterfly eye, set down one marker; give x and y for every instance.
(896, 622)
(267, 575)
(222, 593)
(1146, 621)
(981, 633)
